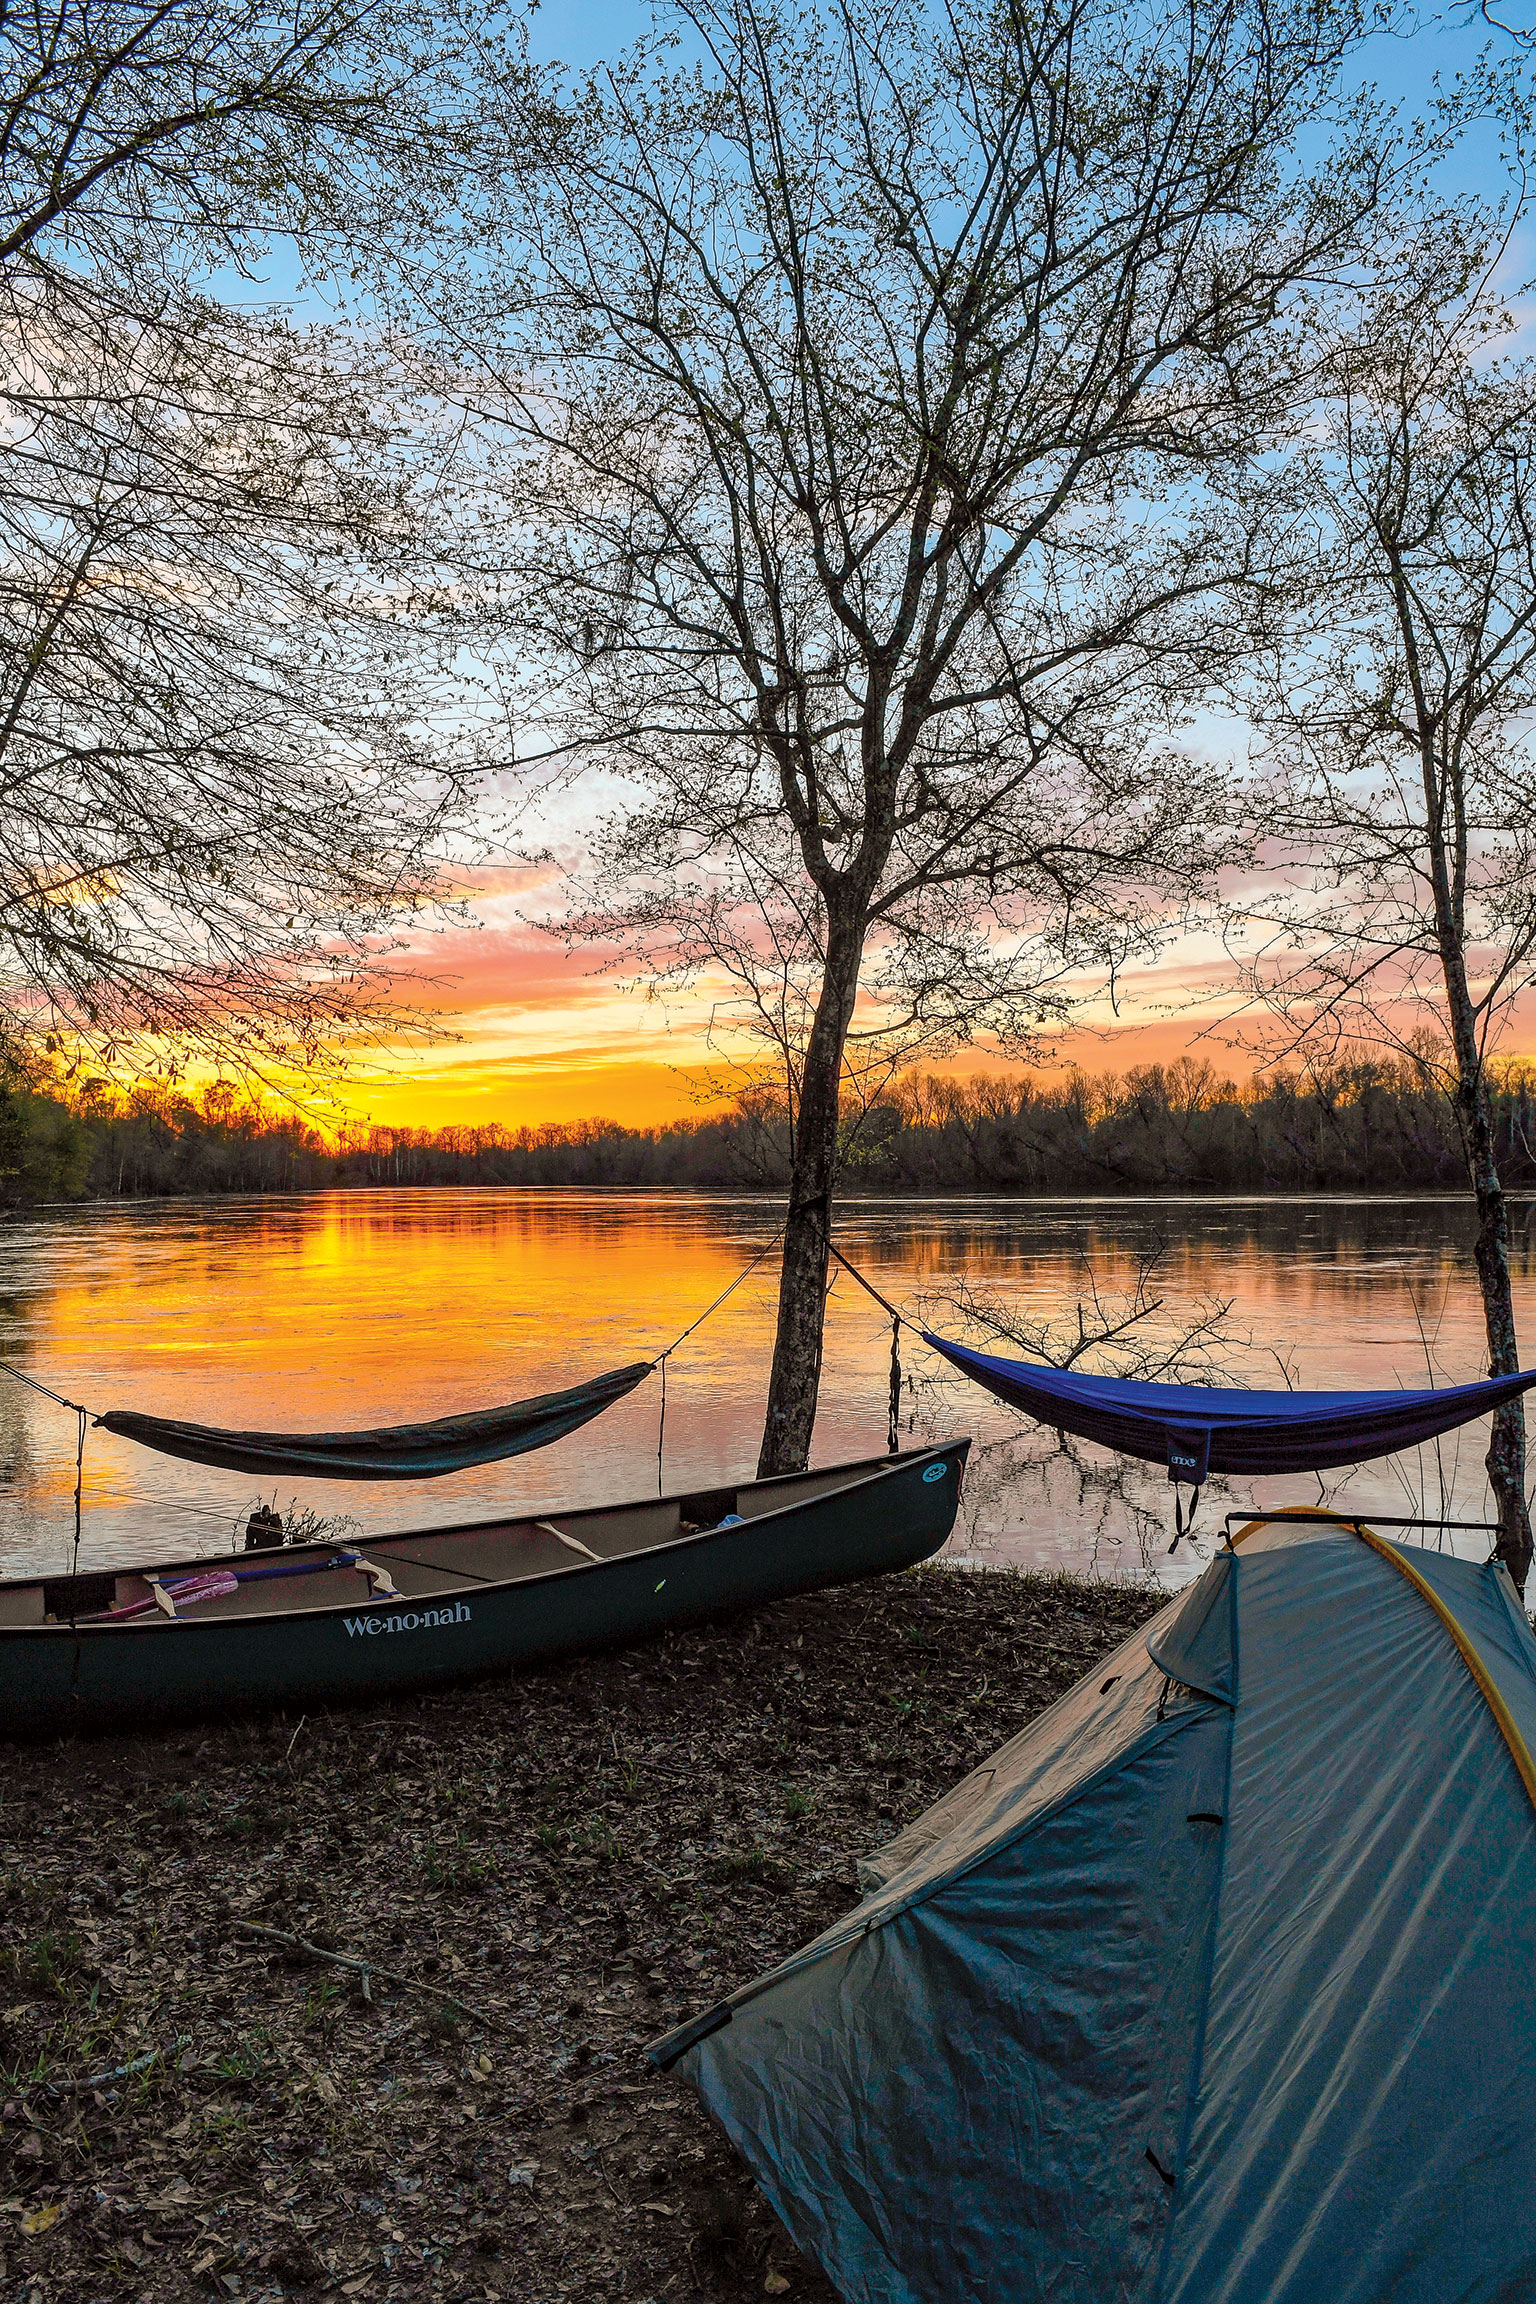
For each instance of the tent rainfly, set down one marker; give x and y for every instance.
(1212, 1987)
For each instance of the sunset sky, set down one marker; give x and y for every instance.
(545, 1036)
(541, 1035)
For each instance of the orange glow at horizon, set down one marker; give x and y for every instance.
(469, 1085)
(542, 1036)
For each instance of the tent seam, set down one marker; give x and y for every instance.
(1481, 1678)
(1519, 1623)
(1208, 1963)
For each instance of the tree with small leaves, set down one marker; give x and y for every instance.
(848, 379)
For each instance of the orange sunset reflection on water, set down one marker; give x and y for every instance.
(363, 1308)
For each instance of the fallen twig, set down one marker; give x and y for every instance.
(105, 2079)
(368, 1968)
(618, 2197)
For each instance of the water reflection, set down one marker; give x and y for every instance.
(361, 1308)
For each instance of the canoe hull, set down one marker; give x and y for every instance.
(55, 1679)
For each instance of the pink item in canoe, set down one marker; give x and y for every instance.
(214, 1584)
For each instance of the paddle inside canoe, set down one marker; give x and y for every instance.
(319, 1623)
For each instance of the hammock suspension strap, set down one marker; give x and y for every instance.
(1183, 1526)
(870, 1289)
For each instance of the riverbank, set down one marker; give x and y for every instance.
(557, 1867)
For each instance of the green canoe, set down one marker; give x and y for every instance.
(320, 1623)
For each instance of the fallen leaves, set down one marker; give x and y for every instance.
(593, 1851)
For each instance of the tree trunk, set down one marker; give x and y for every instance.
(1506, 1446)
(795, 1377)
(1446, 816)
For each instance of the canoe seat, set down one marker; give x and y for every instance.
(381, 1584)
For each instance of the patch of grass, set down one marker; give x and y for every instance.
(228, 2133)
(758, 1865)
(26, 2071)
(248, 2061)
(320, 2002)
(598, 1839)
(460, 1869)
(50, 1963)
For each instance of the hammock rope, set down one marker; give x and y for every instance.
(745, 1273)
(1195, 1430)
(662, 1358)
(403, 1452)
(33, 1385)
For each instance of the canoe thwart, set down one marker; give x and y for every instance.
(571, 1543)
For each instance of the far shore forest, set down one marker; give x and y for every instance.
(1363, 1127)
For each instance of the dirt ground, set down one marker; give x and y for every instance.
(561, 1864)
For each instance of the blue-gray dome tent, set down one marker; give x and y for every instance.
(1212, 1987)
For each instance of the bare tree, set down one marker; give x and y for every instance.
(1501, 18)
(852, 371)
(140, 138)
(223, 776)
(220, 794)
(1399, 702)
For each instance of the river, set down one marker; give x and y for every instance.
(360, 1308)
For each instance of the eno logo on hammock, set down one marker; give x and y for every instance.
(429, 1619)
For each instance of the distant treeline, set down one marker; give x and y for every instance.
(1176, 1128)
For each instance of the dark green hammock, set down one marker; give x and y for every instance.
(397, 1452)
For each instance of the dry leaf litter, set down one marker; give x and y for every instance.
(559, 1865)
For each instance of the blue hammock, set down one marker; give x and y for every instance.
(1195, 1430)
